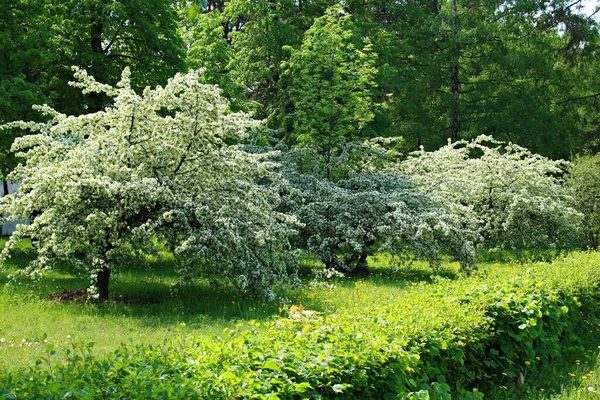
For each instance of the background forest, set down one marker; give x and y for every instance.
(522, 71)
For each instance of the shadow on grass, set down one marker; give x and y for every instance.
(381, 272)
(150, 294)
(148, 291)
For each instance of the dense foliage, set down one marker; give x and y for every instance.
(160, 149)
(329, 83)
(517, 199)
(520, 71)
(101, 186)
(366, 209)
(451, 338)
(584, 180)
(42, 39)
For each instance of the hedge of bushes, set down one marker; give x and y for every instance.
(449, 339)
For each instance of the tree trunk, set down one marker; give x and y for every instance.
(102, 282)
(360, 267)
(593, 239)
(96, 35)
(455, 83)
(455, 112)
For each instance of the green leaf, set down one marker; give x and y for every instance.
(271, 365)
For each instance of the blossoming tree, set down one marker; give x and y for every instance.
(163, 165)
(517, 199)
(371, 207)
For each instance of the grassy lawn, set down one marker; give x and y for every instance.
(147, 308)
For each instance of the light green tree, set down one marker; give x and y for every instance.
(329, 85)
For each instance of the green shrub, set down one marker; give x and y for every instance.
(449, 339)
(584, 180)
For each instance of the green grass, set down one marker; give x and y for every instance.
(29, 320)
(162, 311)
(159, 310)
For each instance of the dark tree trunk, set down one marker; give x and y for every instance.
(225, 25)
(5, 187)
(96, 36)
(455, 83)
(103, 280)
(593, 239)
(455, 111)
(330, 264)
(361, 267)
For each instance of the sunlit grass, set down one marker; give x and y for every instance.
(158, 311)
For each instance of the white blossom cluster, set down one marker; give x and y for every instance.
(516, 199)
(365, 210)
(161, 166)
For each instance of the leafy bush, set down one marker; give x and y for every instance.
(517, 199)
(584, 180)
(100, 186)
(440, 340)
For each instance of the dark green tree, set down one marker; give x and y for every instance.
(41, 40)
(518, 71)
(104, 36)
(24, 57)
(584, 181)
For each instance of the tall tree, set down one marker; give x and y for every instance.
(328, 85)
(41, 40)
(104, 37)
(24, 57)
(206, 32)
(519, 71)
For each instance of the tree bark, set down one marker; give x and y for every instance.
(455, 82)
(96, 35)
(102, 282)
(360, 268)
(455, 111)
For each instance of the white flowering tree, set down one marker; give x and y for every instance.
(161, 166)
(517, 199)
(368, 209)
